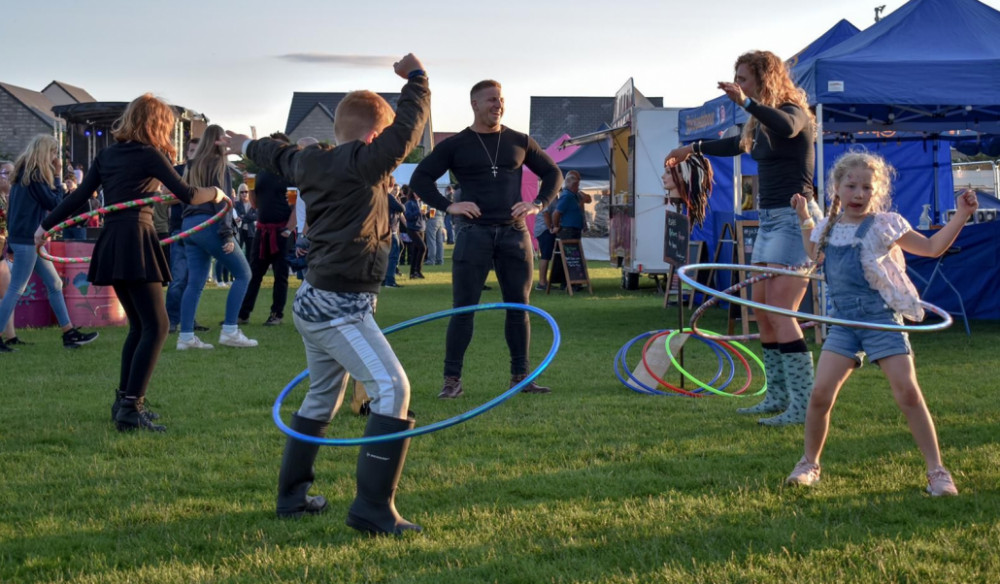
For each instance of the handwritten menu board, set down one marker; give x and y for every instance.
(569, 265)
(675, 239)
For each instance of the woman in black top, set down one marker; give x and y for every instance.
(779, 136)
(127, 254)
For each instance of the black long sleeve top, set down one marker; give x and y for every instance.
(471, 157)
(127, 171)
(783, 149)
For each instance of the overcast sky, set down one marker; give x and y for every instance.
(240, 62)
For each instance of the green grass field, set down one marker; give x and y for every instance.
(591, 483)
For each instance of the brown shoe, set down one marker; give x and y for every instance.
(532, 387)
(452, 388)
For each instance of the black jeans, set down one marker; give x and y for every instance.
(418, 251)
(259, 264)
(506, 249)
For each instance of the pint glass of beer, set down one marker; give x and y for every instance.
(251, 180)
(292, 194)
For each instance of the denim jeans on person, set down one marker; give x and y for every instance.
(390, 272)
(26, 261)
(200, 248)
(507, 249)
(434, 238)
(779, 239)
(178, 282)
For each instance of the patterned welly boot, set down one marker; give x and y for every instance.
(776, 397)
(799, 381)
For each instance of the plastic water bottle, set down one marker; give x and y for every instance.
(925, 218)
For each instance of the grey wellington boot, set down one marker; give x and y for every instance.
(776, 397)
(799, 380)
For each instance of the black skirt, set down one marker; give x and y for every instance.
(128, 251)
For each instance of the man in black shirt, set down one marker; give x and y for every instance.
(487, 159)
(270, 242)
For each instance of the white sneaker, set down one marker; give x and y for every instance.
(194, 343)
(237, 339)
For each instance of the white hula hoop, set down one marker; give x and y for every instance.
(682, 273)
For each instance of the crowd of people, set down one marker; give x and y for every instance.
(335, 216)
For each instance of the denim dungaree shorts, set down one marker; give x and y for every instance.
(852, 298)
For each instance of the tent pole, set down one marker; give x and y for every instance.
(820, 166)
(737, 186)
(934, 203)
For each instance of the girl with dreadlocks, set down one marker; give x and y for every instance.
(861, 245)
(779, 137)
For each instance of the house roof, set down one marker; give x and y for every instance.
(303, 102)
(35, 101)
(80, 95)
(551, 117)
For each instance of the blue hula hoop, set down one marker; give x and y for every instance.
(556, 339)
(621, 364)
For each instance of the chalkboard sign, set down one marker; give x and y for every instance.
(676, 234)
(746, 236)
(569, 266)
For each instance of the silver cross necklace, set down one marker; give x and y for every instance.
(496, 157)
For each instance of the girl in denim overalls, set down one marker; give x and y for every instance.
(861, 250)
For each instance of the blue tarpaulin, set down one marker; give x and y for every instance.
(932, 65)
(591, 160)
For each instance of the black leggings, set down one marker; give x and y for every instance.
(147, 331)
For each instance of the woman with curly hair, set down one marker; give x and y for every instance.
(127, 255)
(779, 137)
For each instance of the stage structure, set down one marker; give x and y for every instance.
(88, 128)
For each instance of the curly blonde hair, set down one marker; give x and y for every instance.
(147, 120)
(775, 88)
(883, 174)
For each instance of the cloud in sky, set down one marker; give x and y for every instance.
(345, 60)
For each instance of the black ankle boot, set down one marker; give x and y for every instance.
(297, 473)
(379, 468)
(119, 396)
(131, 415)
